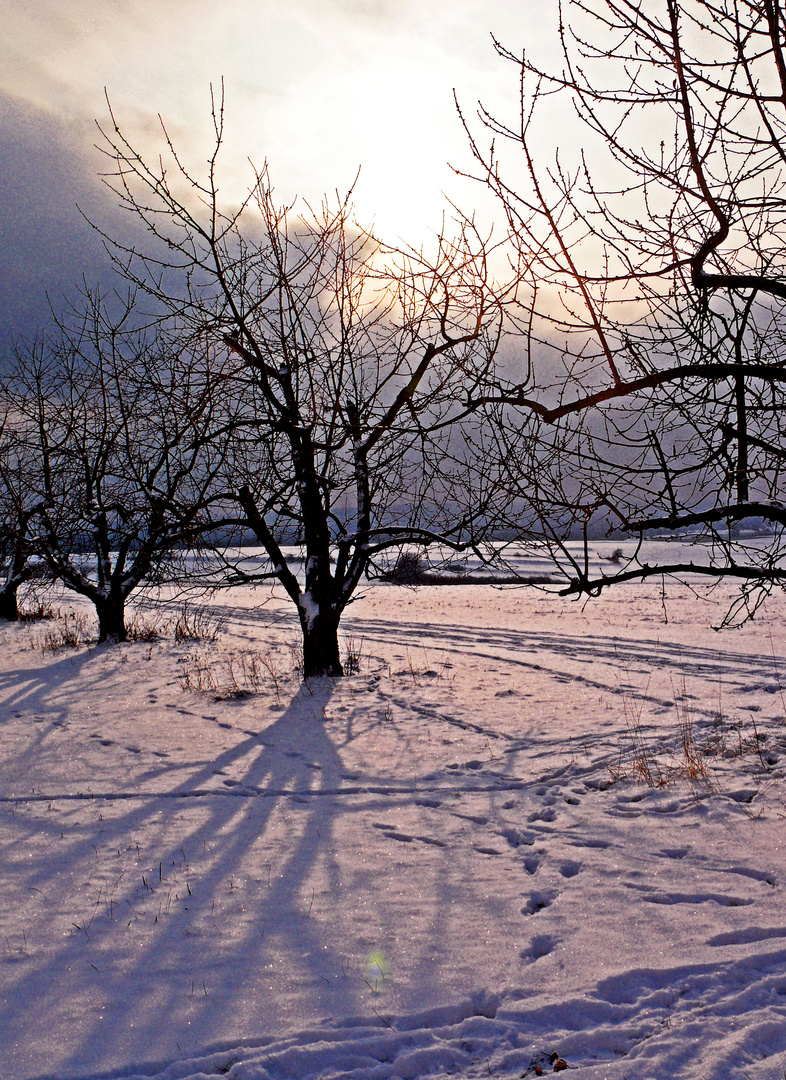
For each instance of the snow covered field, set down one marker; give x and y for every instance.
(448, 863)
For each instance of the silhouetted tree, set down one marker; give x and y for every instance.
(351, 360)
(120, 430)
(18, 509)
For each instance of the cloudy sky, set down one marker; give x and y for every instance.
(318, 87)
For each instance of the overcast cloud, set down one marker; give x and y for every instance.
(318, 87)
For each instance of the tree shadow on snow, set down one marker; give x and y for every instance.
(213, 865)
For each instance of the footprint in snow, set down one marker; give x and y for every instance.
(537, 902)
(569, 869)
(698, 898)
(651, 895)
(516, 838)
(601, 845)
(749, 936)
(541, 945)
(390, 832)
(757, 875)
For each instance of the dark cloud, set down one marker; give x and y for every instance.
(46, 246)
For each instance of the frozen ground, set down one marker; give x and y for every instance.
(445, 864)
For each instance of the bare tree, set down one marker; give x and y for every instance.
(115, 428)
(653, 248)
(19, 506)
(350, 361)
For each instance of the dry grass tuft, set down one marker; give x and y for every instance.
(143, 629)
(70, 632)
(38, 611)
(198, 624)
(658, 765)
(692, 754)
(353, 656)
(231, 675)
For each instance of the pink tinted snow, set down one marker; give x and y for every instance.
(442, 864)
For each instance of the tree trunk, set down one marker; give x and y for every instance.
(8, 603)
(111, 619)
(320, 645)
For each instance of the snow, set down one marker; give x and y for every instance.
(444, 865)
(309, 608)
